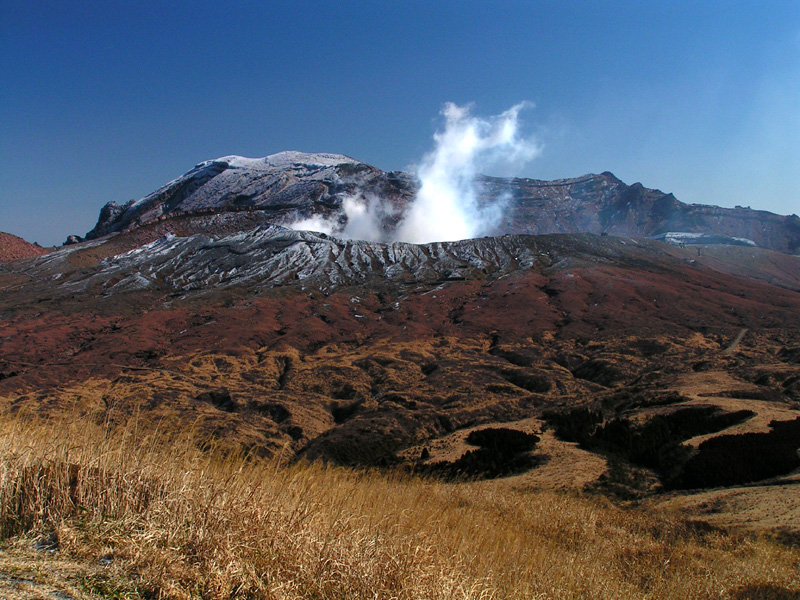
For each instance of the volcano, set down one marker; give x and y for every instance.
(289, 187)
(196, 307)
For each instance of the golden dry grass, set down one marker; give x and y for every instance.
(179, 522)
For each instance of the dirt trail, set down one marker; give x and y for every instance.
(735, 344)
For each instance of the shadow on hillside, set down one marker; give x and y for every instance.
(658, 445)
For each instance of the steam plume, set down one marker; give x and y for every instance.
(364, 216)
(446, 206)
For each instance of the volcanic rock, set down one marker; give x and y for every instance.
(73, 239)
(288, 186)
(293, 186)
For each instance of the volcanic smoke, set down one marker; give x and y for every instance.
(445, 207)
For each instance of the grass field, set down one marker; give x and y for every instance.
(136, 515)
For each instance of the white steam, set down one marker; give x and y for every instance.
(315, 223)
(364, 216)
(446, 207)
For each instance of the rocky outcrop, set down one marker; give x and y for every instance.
(73, 239)
(603, 204)
(110, 215)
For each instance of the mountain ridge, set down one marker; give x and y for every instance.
(197, 308)
(291, 187)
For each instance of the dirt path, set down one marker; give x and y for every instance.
(735, 344)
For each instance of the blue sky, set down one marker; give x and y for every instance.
(109, 100)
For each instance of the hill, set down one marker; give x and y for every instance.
(13, 247)
(372, 354)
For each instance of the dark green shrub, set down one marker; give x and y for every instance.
(501, 452)
(576, 425)
(738, 459)
(657, 444)
(503, 440)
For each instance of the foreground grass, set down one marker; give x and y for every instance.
(172, 521)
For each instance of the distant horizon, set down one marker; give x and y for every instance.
(108, 101)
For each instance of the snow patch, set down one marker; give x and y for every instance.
(282, 160)
(684, 237)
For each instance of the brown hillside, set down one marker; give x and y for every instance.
(401, 370)
(13, 247)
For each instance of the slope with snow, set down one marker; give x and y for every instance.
(291, 185)
(320, 190)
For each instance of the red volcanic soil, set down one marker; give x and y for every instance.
(13, 247)
(583, 305)
(413, 362)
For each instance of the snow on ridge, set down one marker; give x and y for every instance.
(684, 237)
(745, 241)
(285, 159)
(229, 169)
(322, 159)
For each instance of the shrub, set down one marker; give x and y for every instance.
(501, 452)
(576, 425)
(657, 444)
(737, 459)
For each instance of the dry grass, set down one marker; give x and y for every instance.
(178, 522)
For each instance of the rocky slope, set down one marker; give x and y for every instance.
(288, 186)
(604, 204)
(270, 256)
(291, 186)
(13, 247)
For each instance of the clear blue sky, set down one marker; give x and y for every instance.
(108, 100)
